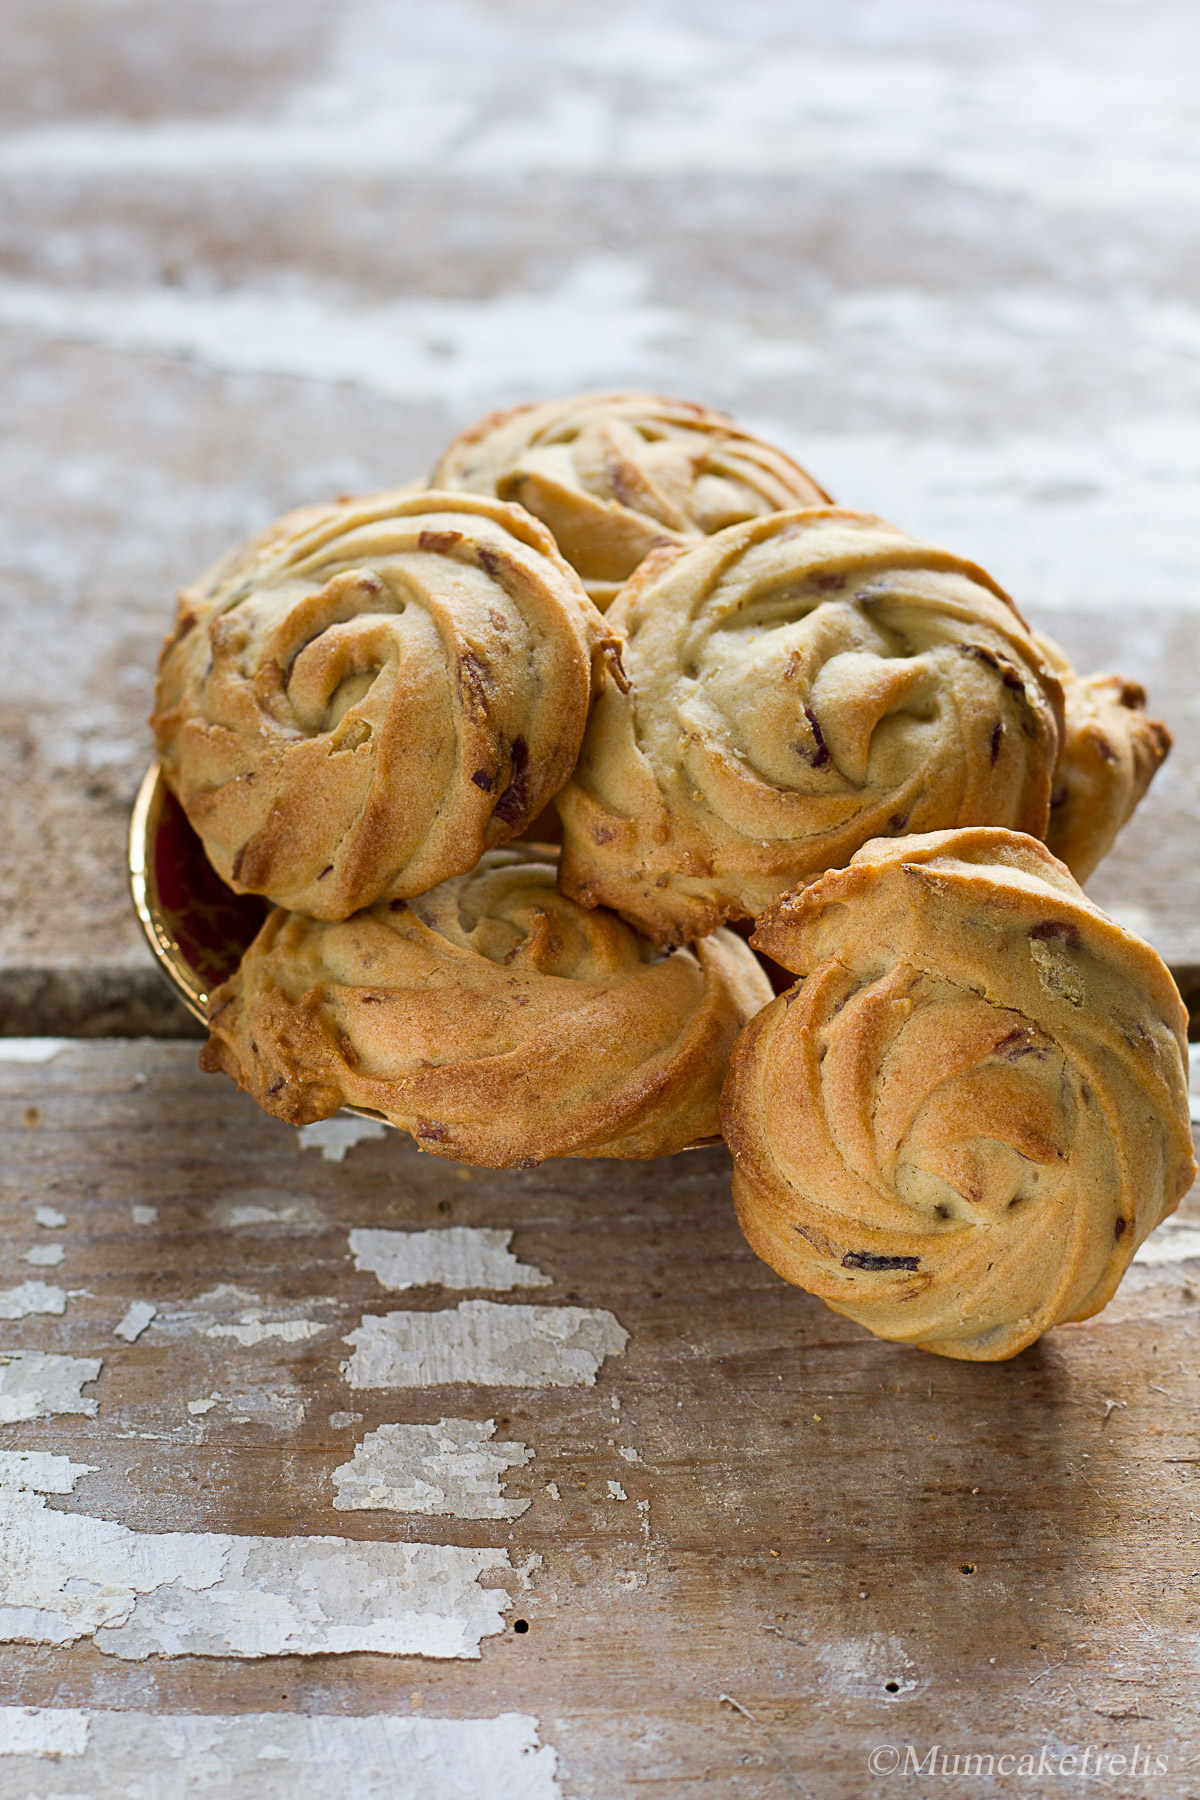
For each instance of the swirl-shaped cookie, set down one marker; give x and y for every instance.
(1111, 752)
(799, 684)
(492, 1018)
(370, 694)
(615, 475)
(960, 1123)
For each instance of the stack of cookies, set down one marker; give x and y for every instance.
(744, 703)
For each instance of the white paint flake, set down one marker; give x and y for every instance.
(1176, 1240)
(254, 1213)
(66, 1576)
(44, 1256)
(42, 1731)
(145, 1215)
(257, 1215)
(481, 1341)
(278, 1409)
(37, 1383)
(457, 1256)
(341, 1421)
(253, 1331)
(616, 1491)
(237, 1316)
(31, 1050)
(40, 1471)
(135, 1320)
(198, 1408)
(333, 1137)
(50, 1217)
(628, 1454)
(31, 1297)
(448, 1468)
(272, 1756)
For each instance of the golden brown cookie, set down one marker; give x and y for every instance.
(1111, 753)
(615, 475)
(368, 695)
(492, 1018)
(963, 1119)
(799, 684)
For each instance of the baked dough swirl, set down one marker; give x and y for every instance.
(1111, 752)
(492, 1018)
(799, 684)
(960, 1123)
(369, 694)
(615, 475)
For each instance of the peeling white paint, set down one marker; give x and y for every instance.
(1176, 1240)
(66, 1576)
(272, 1756)
(41, 1731)
(235, 1315)
(457, 1256)
(225, 1297)
(40, 1471)
(489, 91)
(275, 1409)
(528, 1568)
(481, 1341)
(1114, 488)
(31, 1050)
(255, 1331)
(628, 1454)
(616, 1491)
(49, 1216)
(258, 1215)
(145, 1215)
(31, 1297)
(266, 1210)
(451, 1468)
(34, 1384)
(594, 320)
(333, 1137)
(341, 1421)
(135, 1320)
(254, 1213)
(198, 1408)
(44, 1256)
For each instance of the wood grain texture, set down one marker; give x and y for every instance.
(253, 257)
(251, 261)
(812, 1514)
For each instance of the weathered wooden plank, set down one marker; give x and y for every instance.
(812, 1514)
(235, 274)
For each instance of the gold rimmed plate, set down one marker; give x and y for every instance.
(198, 928)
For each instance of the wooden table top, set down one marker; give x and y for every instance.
(720, 1542)
(252, 257)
